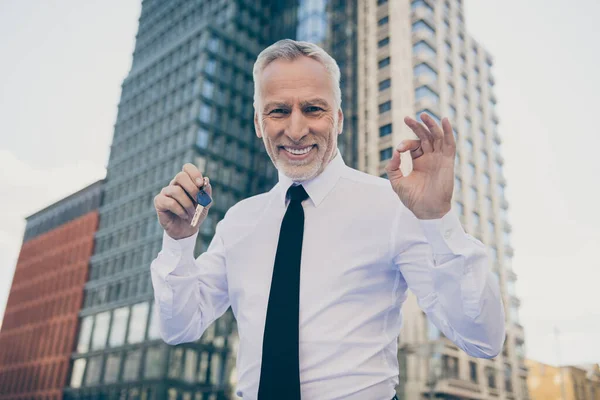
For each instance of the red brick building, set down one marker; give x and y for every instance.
(40, 322)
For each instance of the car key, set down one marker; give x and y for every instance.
(203, 200)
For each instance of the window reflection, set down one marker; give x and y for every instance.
(77, 373)
(132, 365)
(119, 326)
(100, 331)
(137, 324)
(85, 332)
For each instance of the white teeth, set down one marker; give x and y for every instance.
(298, 152)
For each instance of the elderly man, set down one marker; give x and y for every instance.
(317, 269)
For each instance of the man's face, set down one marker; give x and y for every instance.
(296, 117)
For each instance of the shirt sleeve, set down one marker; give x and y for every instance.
(189, 294)
(449, 272)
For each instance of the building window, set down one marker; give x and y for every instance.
(508, 378)
(153, 329)
(385, 84)
(460, 209)
(450, 90)
(450, 367)
(380, 2)
(473, 371)
(422, 26)
(384, 107)
(385, 154)
(137, 324)
(85, 334)
(153, 362)
(132, 365)
(385, 130)
(77, 373)
(205, 113)
(425, 70)
(189, 370)
(112, 368)
(211, 66)
(452, 112)
(100, 331)
(432, 115)
(202, 138)
(490, 372)
(384, 63)
(426, 92)
(476, 220)
(449, 69)
(469, 146)
(421, 3)
(215, 369)
(383, 42)
(207, 89)
(383, 21)
(92, 373)
(423, 48)
(118, 326)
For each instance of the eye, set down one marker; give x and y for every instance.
(311, 109)
(278, 111)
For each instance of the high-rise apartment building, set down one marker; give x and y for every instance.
(40, 323)
(414, 57)
(188, 98)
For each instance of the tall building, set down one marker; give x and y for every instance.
(40, 322)
(188, 98)
(414, 57)
(567, 383)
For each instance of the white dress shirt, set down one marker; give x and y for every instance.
(362, 249)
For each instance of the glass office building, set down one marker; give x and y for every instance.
(187, 98)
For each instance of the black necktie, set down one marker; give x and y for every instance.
(280, 370)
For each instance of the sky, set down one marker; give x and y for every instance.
(63, 63)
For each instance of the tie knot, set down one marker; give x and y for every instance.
(297, 193)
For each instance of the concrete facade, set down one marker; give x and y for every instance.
(417, 56)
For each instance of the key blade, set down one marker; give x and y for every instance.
(197, 215)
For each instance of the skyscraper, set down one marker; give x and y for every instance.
(414, 57)
(188, 98)
(40, 323)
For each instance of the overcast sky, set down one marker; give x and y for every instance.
(60, 76)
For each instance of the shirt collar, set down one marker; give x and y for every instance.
(318, 187)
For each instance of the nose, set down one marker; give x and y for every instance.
(297, 127)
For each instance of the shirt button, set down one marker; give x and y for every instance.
(448, 234)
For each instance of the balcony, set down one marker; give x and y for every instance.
(500, 159)
(428, 103)
(507, 226)
(426, 79)
(422, 13)
(422, 35)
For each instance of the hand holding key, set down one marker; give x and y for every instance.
(187, 199)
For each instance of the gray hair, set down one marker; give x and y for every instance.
(289, 49)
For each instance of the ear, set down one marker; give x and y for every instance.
(340, 121)
(256, 125)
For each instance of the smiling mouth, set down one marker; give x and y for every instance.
(298, 151)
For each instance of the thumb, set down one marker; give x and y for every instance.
(393, 167)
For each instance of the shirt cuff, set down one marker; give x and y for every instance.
(179, 247)
(445, 235)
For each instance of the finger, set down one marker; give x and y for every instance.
(178, 194)
(422, 133)
(414, 145)
(164, 204)
(183, 180)
(435, 131)
(194, 173)
(393, 167)
(449, 140)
